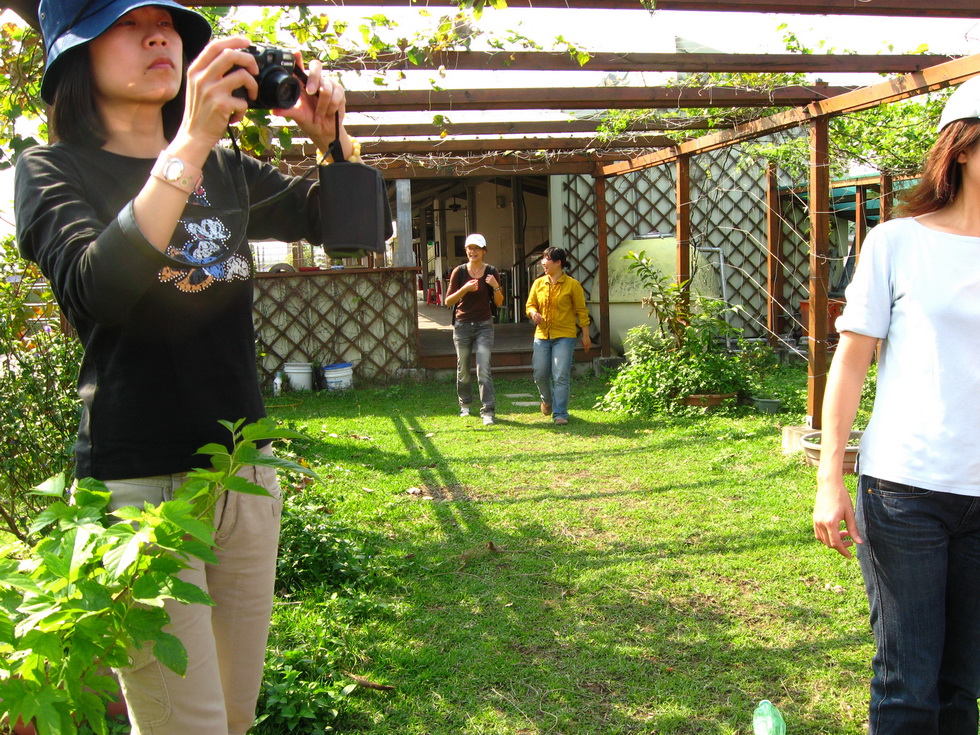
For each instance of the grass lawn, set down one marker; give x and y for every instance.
(618, 575)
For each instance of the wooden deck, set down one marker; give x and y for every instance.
(512, 343)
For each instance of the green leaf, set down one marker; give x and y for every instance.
(178, 513)
(52, 487)
(170, 652)
(120, 557)
(90, 709)
(144, 623)
(268, 429)
(12, 578)
(128, 513)
(213, 449)
(239, 484)
(280, 463)
(188, 593)
(94, 595)
(51, 515)
(82, 550)
(48, 646)
(6, 629)
(151, 589)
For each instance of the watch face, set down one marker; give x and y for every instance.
(173, 169)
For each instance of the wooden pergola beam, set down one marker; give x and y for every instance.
(650, 62)
(531, 127)
(488, 165)
(455, 146)
(912, 8)
(909, 85)
(567, 98)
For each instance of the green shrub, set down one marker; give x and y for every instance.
(685, 353)
(299, 695)
(39, 405)
(316, 551)
(658, 375)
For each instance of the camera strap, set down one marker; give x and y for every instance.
(278, 195)
(335, 150)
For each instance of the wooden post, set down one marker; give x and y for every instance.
(860, 218)
(602, 248)
(682, 203)
(819, 267)
(885, 202)
(775, 276)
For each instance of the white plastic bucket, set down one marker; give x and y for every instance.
(339, 376)
(299, 375)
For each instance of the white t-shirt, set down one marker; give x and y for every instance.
(918, 290)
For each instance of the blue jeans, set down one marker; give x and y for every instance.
(551, 361)
(470, 338)
(921, 565)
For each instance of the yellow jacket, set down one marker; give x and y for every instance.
(562, 304)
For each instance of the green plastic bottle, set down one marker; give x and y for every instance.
(767, 721)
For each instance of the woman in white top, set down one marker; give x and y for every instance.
(917, 524)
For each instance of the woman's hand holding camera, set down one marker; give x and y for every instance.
(223, 68)
(316, 111)
(211, 105)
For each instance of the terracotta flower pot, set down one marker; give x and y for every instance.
(811, 449)
(707, 400)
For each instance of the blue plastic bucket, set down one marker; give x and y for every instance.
(339, 376)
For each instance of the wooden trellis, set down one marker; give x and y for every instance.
(366, 317)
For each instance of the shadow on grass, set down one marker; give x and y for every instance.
(524, 637)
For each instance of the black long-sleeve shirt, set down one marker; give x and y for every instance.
(169, 348)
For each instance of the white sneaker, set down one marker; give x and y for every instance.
(464, 412)
(488, 420)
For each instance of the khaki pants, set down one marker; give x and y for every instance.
(226, 643)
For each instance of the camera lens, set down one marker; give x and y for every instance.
(279, 89)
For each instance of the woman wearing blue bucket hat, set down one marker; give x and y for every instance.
(916, 293)
(141, 222)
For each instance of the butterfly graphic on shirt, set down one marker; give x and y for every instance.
(207, 241)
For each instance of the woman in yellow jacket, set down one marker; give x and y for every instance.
(556, 304)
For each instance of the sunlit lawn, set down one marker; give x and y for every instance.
(618, 575)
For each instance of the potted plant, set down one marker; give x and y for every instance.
(684, 359)
(761, 363)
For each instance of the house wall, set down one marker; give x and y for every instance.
(497, 224)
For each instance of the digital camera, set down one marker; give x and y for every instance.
(278, 79)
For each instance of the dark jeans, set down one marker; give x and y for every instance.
(921, 565)
(474, 338)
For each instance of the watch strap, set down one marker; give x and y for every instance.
(177, 172)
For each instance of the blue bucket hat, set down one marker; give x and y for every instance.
(66, 24)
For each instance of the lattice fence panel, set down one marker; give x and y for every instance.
(638, 204)
(578, 237)
(728, 225)
(795, 258)
(367, 318)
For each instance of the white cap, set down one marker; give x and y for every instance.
(475, 239)
(963, 104)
